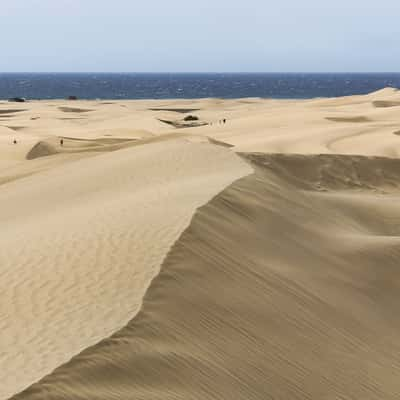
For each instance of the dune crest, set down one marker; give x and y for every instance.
(81, 242)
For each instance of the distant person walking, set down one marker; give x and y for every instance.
(14, 141)
(224, 121)
(61, 142)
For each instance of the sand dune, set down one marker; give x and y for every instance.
(52, 146)
(285, 285)
(276, 290)
(81, 242)
(41, 149)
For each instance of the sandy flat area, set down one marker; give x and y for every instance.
(148, 256)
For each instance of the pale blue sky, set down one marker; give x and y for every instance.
(200, 36)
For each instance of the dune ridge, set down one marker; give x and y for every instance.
(235, 314)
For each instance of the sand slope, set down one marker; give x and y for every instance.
(284, 286)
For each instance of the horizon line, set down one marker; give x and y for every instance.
(203, 73)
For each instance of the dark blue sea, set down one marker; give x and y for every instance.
(163, 86)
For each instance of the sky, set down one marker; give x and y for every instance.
(199, 36)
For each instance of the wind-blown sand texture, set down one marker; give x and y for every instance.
(283, 284)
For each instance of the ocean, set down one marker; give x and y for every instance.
(191, 85)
